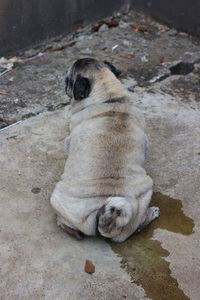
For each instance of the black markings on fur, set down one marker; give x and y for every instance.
(115, 100)
(83, 63)
(68, 84)
(101, 211)
(112, 68)
(112, 209)
(118, 212)
(81, 89)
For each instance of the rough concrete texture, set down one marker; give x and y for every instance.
(38, 260)
(37, 83)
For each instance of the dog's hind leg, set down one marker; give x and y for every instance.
(71, 231)
(151, 214)
(143, 217)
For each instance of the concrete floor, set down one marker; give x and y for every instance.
(38, 260)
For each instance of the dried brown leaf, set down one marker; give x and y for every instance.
(64, 46)
(139, 27)
(127, 55)
(89, 267)
(109, 22)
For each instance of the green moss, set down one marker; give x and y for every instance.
(143, 257)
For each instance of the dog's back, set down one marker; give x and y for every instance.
(106, 150)
(104, 185)
(106, 154)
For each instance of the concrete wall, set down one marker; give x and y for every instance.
(25, 22)
(180, 14)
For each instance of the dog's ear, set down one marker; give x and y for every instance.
(68, 86)
(66, 83)
(112, 68)
(81, 88)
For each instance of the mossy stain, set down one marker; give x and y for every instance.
(143, 258)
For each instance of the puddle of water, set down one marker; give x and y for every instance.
(143, 257)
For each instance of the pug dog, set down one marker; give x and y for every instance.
(104, 188)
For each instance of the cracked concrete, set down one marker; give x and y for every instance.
(38, 260)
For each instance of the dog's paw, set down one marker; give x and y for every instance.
(151, 214)
(113, 216)
(154, 212)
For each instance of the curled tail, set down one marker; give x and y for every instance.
(116, 213)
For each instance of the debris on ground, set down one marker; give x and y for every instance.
(144, 59)
(115, 47)
(123, 24)
(103, 28)
(127, 43)
(108, 22)
(89, 267)
(127, 55)
(172, 32)
(33, 80)
(7, 65)
(139, 27)
(3, 93)
(63, 46)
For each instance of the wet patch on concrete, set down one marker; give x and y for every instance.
(143, 258)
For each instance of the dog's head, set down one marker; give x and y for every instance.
(82, 75)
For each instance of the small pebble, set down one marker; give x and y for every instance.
(123, 24)
(86, 51)
(127, 43)
(172, 32)
(36, 190)
(144, 59)
(103, 28)
(183, 33)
